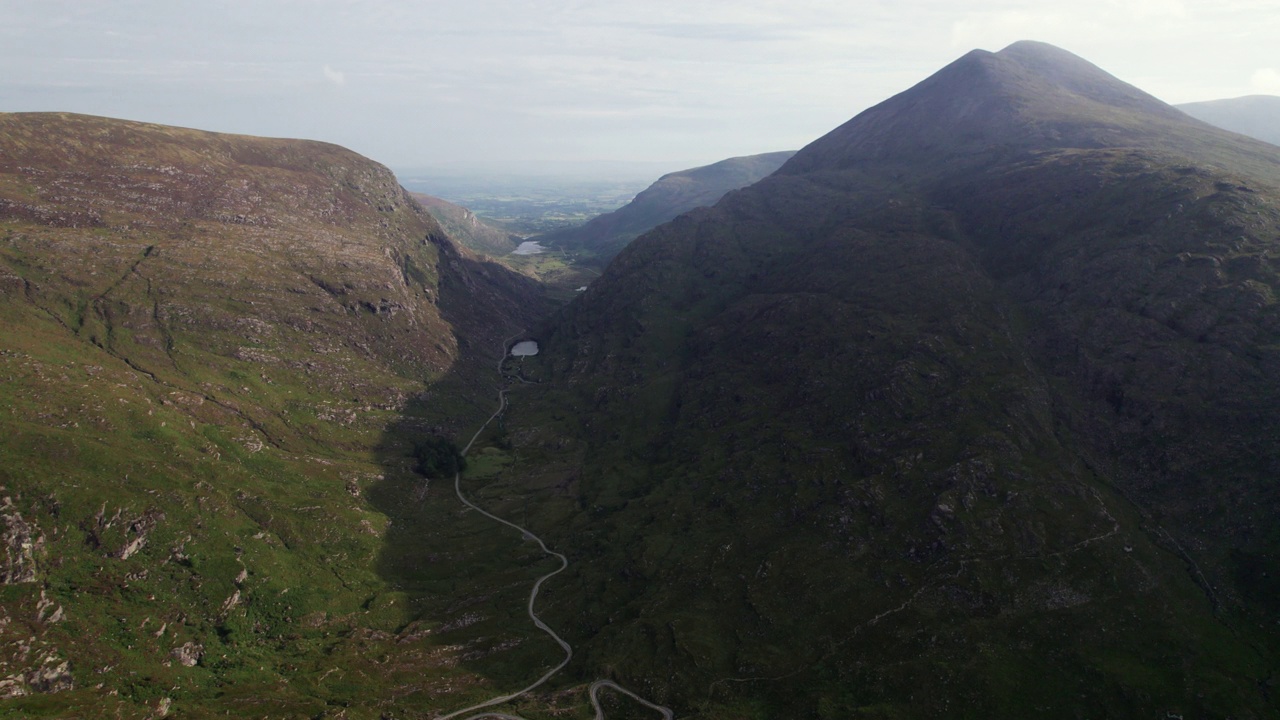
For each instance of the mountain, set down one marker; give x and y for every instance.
(229, 365)
(1257, 116)
(968, 410)
(674, 193)
(467, 229)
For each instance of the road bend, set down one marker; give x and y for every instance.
(595, 688)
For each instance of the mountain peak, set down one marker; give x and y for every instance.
(1029, 96)
(1030, 49)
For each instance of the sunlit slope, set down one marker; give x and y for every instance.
(203, 342)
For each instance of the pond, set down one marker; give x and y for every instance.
(529, 247)
(525, 348)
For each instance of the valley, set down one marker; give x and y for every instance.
(570, 252)
(525, 349)
(528, 204)
(965, 409)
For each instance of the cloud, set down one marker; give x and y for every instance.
(624, 80)
(992, 25)
(1150, 9)
(993, 30)
(1266, 80)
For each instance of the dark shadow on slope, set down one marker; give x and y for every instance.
(462, 581)
(790, 432)
(919, 383)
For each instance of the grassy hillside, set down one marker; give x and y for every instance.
(218, 354)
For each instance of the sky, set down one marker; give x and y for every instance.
(490, 86)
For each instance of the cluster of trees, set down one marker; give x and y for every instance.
(438, 457)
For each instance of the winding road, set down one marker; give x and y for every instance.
(594, 690)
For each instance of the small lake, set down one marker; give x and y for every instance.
(525, 348)
(528, 247)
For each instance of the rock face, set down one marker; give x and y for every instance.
(49, 675)
(23, 546)
(968, 409)
(52, 677)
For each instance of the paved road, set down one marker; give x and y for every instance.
(595, 699)
(594, 691)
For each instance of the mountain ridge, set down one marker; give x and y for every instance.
(669, 196)
(1254, 115)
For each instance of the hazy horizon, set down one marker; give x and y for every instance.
(573, 87)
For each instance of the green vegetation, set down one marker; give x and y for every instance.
(437, 458)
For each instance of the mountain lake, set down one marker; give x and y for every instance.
(524, 348)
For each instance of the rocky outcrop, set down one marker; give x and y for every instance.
(52, 675)
(139, 529)
(47, 611)
(188, 654)
(24, 545)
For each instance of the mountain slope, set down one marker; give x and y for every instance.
(219, 354)
(463, 226)
(672, 194)
(1257, 116)
(968, 410)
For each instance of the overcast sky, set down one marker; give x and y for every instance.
(489, 84)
